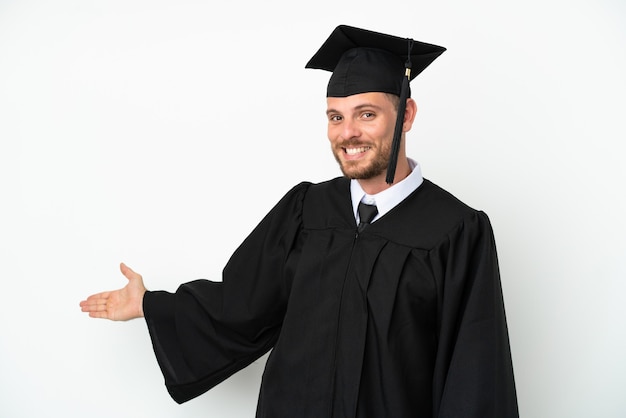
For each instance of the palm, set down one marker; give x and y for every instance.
(118, 305)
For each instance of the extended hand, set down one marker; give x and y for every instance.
(118, 305)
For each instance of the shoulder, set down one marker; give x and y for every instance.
(431, 198)
(296, 194)
(430, 215)
(330, 189)
(328, 205)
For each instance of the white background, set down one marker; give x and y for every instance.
(140, 131)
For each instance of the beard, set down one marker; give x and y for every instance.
(364, 170)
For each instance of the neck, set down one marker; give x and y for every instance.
(378, 184)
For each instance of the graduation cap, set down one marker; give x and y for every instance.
(363, 61)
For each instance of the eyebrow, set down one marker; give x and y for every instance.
(356, 108)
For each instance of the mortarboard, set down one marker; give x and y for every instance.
(363, 61)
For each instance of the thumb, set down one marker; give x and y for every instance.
(129, 273)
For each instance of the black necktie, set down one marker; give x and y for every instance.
(366, 214)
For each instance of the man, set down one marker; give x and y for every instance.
(389, 310)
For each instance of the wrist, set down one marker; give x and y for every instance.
(140, 312)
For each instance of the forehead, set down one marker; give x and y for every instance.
(373, 99)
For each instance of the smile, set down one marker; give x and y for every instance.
(354, 151)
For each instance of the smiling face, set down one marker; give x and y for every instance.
(360, 130)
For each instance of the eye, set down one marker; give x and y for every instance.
(335, 118)
(367, 115)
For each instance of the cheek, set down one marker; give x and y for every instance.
(332, 134)
(385, 132)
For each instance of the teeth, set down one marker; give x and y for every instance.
(353, 151)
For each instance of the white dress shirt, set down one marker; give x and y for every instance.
(388, 198)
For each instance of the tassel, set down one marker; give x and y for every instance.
(397, 134)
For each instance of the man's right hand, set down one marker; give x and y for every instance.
(118, 305)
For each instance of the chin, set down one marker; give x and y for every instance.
(363, 174)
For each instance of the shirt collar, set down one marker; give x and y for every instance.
(388, 198)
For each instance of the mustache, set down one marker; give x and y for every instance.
(353, 144)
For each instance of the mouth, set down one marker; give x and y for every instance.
(355, 150)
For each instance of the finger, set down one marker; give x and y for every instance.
(98, 299)
(103, 315)
(98, 306)
(128, 272)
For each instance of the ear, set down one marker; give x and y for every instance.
(409, 114)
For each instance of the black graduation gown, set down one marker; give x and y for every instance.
(405, 319)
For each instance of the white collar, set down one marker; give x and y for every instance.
(388, 198)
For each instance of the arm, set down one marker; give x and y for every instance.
(208, 330)
(118, 305)
(474, 372)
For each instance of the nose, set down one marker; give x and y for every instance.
(350, 129)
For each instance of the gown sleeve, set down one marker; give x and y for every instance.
(206, 331)
(473, 375)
